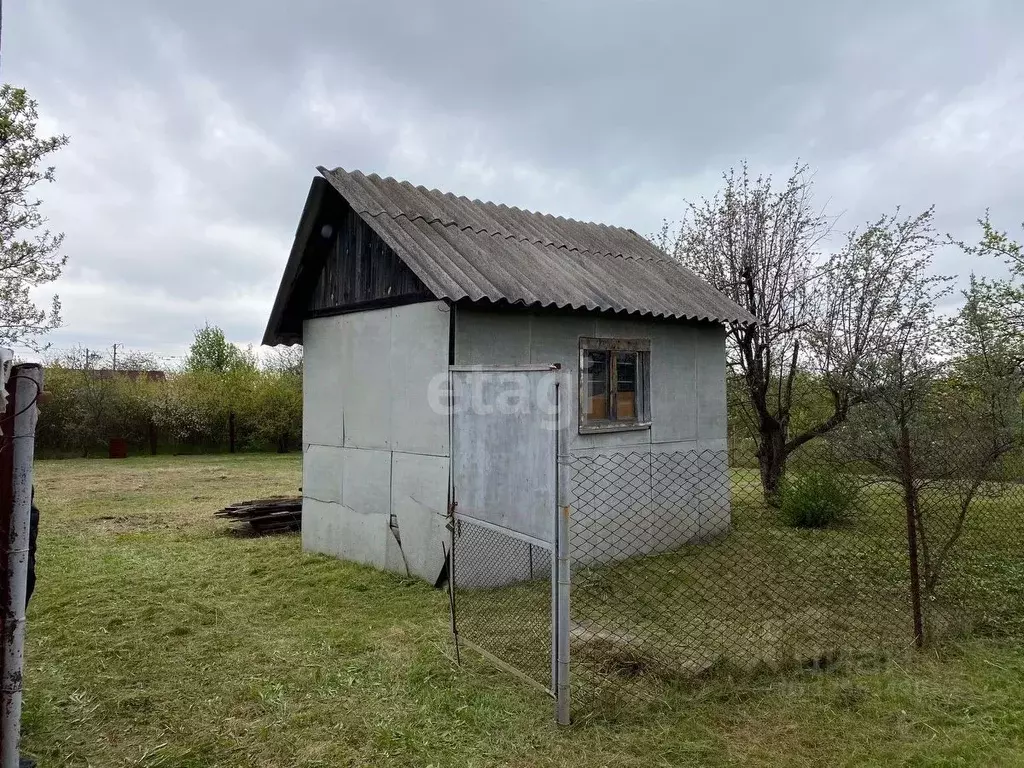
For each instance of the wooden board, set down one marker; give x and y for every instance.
(273, 515)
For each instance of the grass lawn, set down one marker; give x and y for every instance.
(754, 597)
(155, 639)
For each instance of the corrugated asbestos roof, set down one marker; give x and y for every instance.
(465, 249)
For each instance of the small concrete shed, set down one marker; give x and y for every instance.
(391, 287)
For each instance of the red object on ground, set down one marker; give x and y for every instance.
(118, 448)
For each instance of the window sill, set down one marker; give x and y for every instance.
(596, 429)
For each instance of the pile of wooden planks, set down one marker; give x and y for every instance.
(274, 515)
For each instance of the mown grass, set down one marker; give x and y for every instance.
(757, 596)
(155, 639)
(767, 592)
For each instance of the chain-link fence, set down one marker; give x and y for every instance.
(681, 571)
(502, 598)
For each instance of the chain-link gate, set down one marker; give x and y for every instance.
(508, 574)
(503, 598)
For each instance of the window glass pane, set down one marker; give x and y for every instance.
(626, 372)
(597, 384)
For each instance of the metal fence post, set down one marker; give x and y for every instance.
(562, 575)
(915, 572)
(27, 384)
(563, 617)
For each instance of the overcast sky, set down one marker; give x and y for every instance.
(195, 126)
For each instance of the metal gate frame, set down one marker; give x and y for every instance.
(460, 640)
(559, 550)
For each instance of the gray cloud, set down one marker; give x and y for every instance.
(195, 126)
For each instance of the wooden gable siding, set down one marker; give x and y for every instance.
(359, 268)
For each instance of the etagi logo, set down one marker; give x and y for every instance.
(542, 395)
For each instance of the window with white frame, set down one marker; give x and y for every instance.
(614, 384)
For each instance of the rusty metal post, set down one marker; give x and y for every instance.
(24, 387)
(915, 573)
(912, 501)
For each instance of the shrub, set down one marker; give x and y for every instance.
(187, 410)
(817, 499)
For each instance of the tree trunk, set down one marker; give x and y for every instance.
(771, 458)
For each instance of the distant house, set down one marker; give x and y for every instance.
(392, 287)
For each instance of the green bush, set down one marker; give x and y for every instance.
(186, 411)
(817, 499)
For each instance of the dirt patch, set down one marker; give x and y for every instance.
(622, 654)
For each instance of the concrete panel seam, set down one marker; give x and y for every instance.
(418, 453)
(322, 501)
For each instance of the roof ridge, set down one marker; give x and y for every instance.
(476, 200)
(549, 243)
(542, 242)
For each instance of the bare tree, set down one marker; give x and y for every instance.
(865, 301)
(76, 358)
(134, 360)
(758, 244)
(283, 359)
(1000, 300)
(29, 253)
(946, 415)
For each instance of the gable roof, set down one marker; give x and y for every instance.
(464, 249)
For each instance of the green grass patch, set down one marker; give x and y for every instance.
(157, 640)
(764, 595)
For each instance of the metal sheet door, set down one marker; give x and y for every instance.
(504, 447)
(507, 527)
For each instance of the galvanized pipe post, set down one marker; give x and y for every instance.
(25, 385)
(562, 692)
